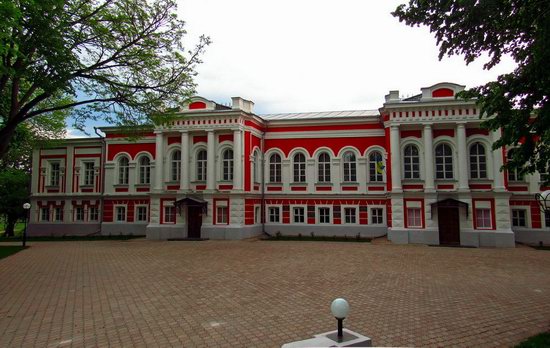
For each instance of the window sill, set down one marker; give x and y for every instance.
(350, 183)
(143, 185)
(412, 181)
(87, 186)
(51, 187)
(274, 184)
(121, 185)
(328, 183)
(298, 183)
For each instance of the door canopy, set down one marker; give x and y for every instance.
(192, 201)
(450, 203)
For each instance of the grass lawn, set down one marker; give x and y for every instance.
(18, 230)
(7, 250)
(540, 340)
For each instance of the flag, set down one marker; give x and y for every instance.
(380, 167)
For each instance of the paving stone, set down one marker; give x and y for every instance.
(243, 293)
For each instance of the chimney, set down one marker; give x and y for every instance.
(242, 104)
(392, 97)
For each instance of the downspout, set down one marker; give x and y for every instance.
(102, 163)
(262, 208)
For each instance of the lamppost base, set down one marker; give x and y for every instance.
(330, 339)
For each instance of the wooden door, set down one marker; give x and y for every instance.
(449, 226)
(194, 222)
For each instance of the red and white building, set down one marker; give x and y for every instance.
(419, 169)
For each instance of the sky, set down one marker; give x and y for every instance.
(316, 55)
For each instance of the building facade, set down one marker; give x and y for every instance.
(419, 170)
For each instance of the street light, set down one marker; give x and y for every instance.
(340, 309)
(26, 206)
(544, 200)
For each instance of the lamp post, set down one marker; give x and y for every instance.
(26, 206)
(340, 309)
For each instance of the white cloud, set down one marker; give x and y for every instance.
(317, 55)
(72, 133)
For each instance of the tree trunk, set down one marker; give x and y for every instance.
(6, 134)
(10, 226)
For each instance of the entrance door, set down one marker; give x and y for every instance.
(194, 222)
(449, 226)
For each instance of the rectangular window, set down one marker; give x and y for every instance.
(141, 213)
(89, 173)
(58, 214)
(377, 216)
(274, 214)
(350, 215)
(324, 215)
(79, 214)
(518, 218)
(169, 214)
(547, 218)
(414, 218)
(94, 214)
(120, 214)
(54, 174)
(299, 215)
(45, 214)
(257, 215)
(222, 215)
(483, 218)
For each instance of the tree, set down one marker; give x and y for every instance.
(120, 60)
(517, 102)
(14, 192)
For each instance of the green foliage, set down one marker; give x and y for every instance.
(14, 192)
(120, 60)
(538, 341)
(519, 100)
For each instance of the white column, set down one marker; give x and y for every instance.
(462, 162)
(428, 158)
(497, 163)
(395, 158)
(159, 155)
(237, 160)
(184, 178)
(211, 159)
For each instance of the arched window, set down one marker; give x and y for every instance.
(175, 166)
(478, 162)
(323, 165)
(227, 165)
(513, 174)
(201, 165)
(299, 168)
(443, 162)
(144, 170)
(411, 162)
(123, 170)
(376, 167)
(350, 167)
(275, 168)
(256, 167)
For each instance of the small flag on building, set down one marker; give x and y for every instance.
(380, 167)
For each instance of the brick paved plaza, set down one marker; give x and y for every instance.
(258, 293)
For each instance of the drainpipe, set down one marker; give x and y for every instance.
(102, 163)
(262, 208)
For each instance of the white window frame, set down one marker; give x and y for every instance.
(55, 174)
(299, 206)
(302, 168)
(350, 166)
(409, 160)
(228, 165)
(88, 177)
(323, 168)
(444, 162)
(144, 171)
(123, 172)
(370, 215)
(275, 169)
(527, 213)
(173, 213)
(414, 224)
(318, 214)
(477, 158)
(378, 178)
(343, 214)
(91, 216)
(77, 209)
(137, 207)
(268, 214)
(55, 216)
(201, 165)
(222, 215)
(490, 219)
(48, 214)
(115, 208)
